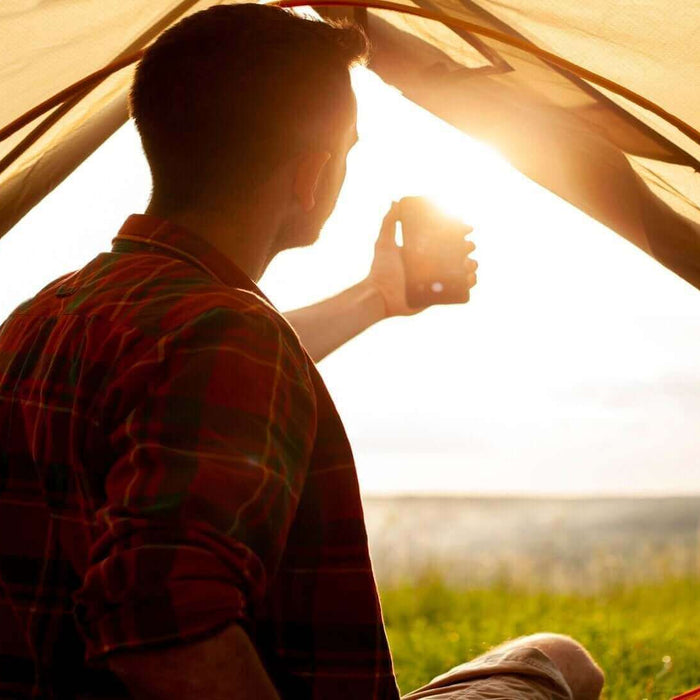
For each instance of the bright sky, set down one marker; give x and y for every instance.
(574, 369)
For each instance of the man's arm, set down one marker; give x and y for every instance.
(330, 323)
(327, 325)
(219, 668)
(214, 427)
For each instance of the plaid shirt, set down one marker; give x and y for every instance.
(171, 462)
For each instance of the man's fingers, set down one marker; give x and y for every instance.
(387, 233)
(470, 266)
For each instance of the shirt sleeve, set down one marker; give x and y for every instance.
(210, 463)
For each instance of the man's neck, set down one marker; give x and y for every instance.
(245, 236)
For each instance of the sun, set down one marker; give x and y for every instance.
(436, 159)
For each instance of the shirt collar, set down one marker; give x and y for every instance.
(175, 240)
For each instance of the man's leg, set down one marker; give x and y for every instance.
(537, 667)
(583, 675)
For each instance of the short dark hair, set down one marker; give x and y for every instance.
(227, 93)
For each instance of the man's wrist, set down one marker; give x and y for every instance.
(373, 297)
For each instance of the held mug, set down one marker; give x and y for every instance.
(433, 254)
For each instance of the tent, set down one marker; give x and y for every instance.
(597, 101)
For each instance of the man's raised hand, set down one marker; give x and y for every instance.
(387, 273)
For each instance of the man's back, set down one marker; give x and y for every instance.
(173, 464)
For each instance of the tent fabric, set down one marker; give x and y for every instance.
(585, 142)
(47, 47)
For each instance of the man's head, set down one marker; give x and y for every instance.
(228, 96)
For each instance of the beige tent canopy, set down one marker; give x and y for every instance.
(597, 101)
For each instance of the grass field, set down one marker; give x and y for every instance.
(646, 637)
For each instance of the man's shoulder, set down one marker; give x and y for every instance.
(242, 320)
(235, 306)
(155, 297)
(153, 304)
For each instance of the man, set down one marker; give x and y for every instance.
(184, 509)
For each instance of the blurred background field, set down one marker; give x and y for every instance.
(460, 575)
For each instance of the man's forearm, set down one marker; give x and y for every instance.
(327, 325)
(220, 668)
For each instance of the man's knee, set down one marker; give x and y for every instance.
(582, 673)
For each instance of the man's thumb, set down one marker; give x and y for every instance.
(387, 233)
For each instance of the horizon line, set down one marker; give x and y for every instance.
(511, 495)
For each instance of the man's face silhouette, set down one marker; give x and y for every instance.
(302, 228)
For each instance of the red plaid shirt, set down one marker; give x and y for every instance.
(171, 463)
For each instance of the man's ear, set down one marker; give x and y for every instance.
(308, 173)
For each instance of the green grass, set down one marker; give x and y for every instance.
(629, 630)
